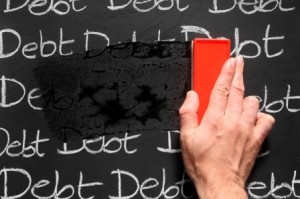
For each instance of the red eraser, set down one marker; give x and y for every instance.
(209, 55)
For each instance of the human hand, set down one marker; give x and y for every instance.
(220, 152)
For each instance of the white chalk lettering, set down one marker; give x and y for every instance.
(49, 43)
(62, 42)
(21, 149)
(282, 190)
(240, 46)
(54, 45)
(43, 7)
(65, 191)
(98, 34)
(4, 102)
(31, 97)
(18, 37)
(101, 145)
(266, 41)
(29, 50)
(169, 149)
(277, 106)
(140, 189)
(148, 5)
(248, 8)
(19, 171)
(186, 30)
(86, 185)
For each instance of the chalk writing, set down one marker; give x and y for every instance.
(101, 145)
(20, 89)
(64, 192)
(39, 8)
(43, 48)
(170, 149)
(277, 106)
(160, 187)
(250, 7)
(97, 93)
(147, 6)
(21, 148)
(98, 34)
(240, 46)
(259, 190)
(46, 48)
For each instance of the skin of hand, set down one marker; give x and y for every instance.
(219, 153)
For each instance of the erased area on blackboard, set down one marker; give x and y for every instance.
(124, 88)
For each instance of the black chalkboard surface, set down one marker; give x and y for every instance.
(62, 89)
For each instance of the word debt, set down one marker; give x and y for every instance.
(246, 7)
(123, 143)
(43, 47)
(147, 6)
(43, 189)
(123, 185)
(154, 188)
(21, 148)
(42, 7)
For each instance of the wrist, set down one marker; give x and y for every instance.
(220, 187)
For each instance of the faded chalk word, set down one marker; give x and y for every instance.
(250, 7)
(277, 106)
(147, 6)
(102, 144)
(240, 47)
(21, 148)
(43, 7)
(150, 187)
(260, 190)
(35, 189)
(19, 92)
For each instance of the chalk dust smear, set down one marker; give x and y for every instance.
(124, 88)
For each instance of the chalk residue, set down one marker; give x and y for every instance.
(132, 87)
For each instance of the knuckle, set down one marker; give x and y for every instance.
(183, 137)
(223, 90)
(235, 127)
(239, 89)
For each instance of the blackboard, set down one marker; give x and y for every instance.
(139, 156)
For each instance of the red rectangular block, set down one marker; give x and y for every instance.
(209, 55)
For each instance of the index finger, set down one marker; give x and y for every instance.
(236, 94)
(219, 95)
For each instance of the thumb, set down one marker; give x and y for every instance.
(188, 113)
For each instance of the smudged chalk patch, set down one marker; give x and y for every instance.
(127, 87)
